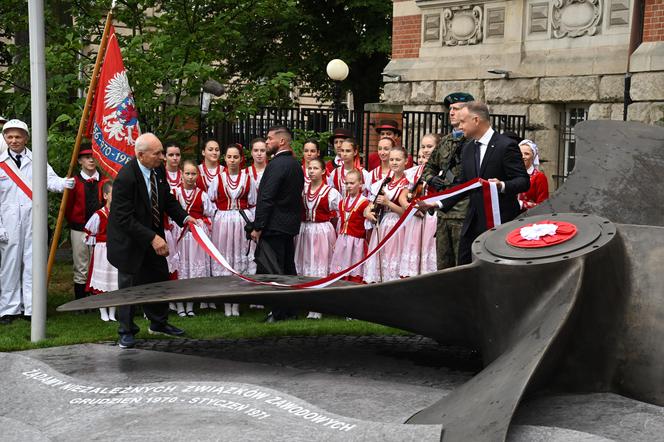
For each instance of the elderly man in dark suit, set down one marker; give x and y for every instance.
(279, 208)
(493, 157)
(136, 244)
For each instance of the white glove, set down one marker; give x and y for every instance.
(4, 237)
(69, 183)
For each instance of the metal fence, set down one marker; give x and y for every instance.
(318, 119)
(418, 124)
(310, 119)
(567, 141)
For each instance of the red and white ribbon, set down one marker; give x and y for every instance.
(491, 210)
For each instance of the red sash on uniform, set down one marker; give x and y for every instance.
(16, 179)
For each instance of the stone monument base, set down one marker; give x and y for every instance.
(99, 392)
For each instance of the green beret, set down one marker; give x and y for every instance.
(457, 97)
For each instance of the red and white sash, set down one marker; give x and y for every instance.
(17, 177)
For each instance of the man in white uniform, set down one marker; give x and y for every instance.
(3, 145)
(16, 220)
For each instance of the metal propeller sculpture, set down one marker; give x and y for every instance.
(584, 315)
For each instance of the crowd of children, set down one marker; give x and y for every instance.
(347, 211)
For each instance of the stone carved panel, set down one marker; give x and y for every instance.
(539, 18)
(462, 25)
(619, 12)
(574, 18)
(431, 27)
(495, 22)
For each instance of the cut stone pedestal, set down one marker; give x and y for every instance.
(99, 392)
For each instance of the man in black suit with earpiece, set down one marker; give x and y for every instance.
(278, 210)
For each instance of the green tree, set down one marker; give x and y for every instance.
(170, 48)
(310, 33)
(256, 48)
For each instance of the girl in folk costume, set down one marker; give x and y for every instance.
(539, 186)
(172, 230)
(384, 266)
(419, 252)
(173, 172)
(351, 245)
(428, 144)
(210, 168)
(315, 242)
(194, 262)
(348, 152)
(233, 191)
(259, 157)
(208, 171)
(379, 173)
(102, 276)
(310, 150)
(255, 171)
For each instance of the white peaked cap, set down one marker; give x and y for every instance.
(15, 124)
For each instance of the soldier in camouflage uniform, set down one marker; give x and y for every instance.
(439, 172)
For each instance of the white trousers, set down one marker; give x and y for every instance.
(16, 266)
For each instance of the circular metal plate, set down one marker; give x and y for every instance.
(593, 232)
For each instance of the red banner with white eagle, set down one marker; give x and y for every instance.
(114, 119)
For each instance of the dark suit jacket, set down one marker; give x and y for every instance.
(279, 206)
(502, 160)
(130, 230)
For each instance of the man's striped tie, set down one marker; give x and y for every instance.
(156, 219)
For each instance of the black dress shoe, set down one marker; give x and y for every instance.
(4, 320)
(165, 329)
(126, 341)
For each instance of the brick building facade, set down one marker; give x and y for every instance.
(556, 61)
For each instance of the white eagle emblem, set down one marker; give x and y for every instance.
(121, 121)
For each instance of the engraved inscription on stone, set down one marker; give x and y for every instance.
(431, 27)
(463, 25)
(255, 402)
(618, 12)
(539, 18)
(575, 18)
(495, 22)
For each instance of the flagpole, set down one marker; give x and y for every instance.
(39, 196)
(79, 137)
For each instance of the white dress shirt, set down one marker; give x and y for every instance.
(484, 143)
(146, 176)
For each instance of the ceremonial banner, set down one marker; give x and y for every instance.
(114, 118)
(491, 209)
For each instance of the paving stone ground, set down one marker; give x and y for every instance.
(372, 383)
